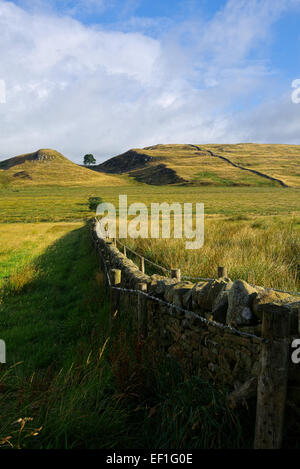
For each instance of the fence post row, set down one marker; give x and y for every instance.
(273, 376)
(115, 279)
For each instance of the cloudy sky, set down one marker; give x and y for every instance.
(103, 76)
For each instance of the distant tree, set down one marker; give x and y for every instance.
(89, 159)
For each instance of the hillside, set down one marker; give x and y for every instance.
(48, 166)
(220, 165)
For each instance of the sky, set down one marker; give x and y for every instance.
(103, 76)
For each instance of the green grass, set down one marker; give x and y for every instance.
(58, 203)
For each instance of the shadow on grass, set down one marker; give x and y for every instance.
(54, 305)
(56, 389)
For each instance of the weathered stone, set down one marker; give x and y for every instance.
(220, 305)
(204, 294)
(191, 296)
(266, 296)
(175, 293)
(240, 298)
(158, 285)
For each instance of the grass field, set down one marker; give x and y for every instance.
(55, 203)
(254, 231)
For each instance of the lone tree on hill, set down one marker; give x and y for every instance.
(89, 159)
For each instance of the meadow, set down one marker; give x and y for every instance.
(58, 203)
(253, 231)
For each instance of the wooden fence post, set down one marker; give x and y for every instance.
(272, 379)
(222, 272)
(124, 251)
(142, 264)
(115, 279)
(176, 273)
(142, 311)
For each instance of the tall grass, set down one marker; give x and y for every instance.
(262, 251)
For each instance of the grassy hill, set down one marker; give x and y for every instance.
(244, 164)
(219, 165)
(48, 167)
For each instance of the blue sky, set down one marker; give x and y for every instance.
(102, 76)
(112, 11)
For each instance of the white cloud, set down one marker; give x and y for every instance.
(80, 89)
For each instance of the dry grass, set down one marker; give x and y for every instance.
(199, 167)
(27, 170)
(280, 161)
(263, 251)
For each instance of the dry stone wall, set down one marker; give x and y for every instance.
(214, 353)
